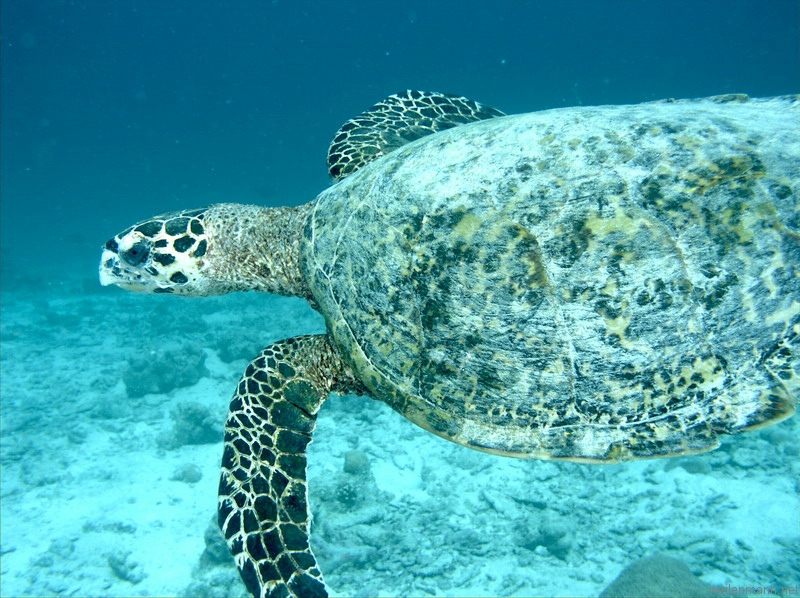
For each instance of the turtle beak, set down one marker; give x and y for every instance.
(110, 271)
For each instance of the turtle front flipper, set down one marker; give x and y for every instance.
(263, 497)
(399, 119)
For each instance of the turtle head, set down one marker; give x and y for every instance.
(164, 254)
(210, 251)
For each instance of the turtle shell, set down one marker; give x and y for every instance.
(585, 283)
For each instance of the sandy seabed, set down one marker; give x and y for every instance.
(112, 409)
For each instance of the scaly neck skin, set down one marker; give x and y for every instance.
(252, 248)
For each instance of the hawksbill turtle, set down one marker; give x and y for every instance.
(592, 283)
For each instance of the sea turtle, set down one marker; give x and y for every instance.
(593, 284)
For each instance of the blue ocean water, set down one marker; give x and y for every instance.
(116, 110)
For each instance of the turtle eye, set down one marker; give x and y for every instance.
(136, 254)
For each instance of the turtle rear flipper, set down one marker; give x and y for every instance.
(263, 496)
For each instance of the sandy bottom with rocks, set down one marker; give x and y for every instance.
(112, 411)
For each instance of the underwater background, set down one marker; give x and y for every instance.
(112, 404)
